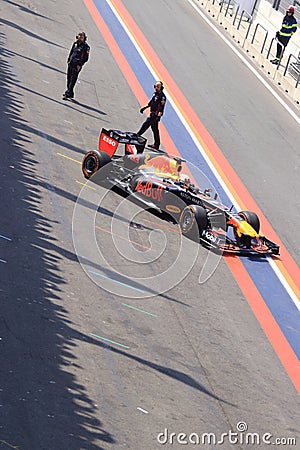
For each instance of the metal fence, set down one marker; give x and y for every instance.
(282, 5)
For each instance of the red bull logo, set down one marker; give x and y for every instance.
(146, 188)
(161, 164)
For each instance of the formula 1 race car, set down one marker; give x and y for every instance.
(156, 179)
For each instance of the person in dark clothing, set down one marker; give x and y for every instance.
(288, 28)
(78, 56)
(156, 105)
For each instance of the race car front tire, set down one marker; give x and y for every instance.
(93, 161)
(193, 221)
(252, 218)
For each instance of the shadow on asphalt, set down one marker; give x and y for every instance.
(69, 104)
(168, 371)
(27, 10)
(37, 183)
(28, 33)
(35, 61)
(43, 405)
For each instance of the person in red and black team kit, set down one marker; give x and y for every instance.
(156, 105)
(288, 28)
(78, 56)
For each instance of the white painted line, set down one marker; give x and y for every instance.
(283, 281)
(143, 410)
(67, 121)
(44, 81)
(5, 237)
(246, 62)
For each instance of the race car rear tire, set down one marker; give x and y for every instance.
(193, 220)
(93, 161)
(252, 218)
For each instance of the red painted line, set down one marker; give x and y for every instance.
(266, 320)
(124, 239)
(161, 226)
(286, 264)
(116, 52)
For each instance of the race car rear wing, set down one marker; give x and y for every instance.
(110, 139)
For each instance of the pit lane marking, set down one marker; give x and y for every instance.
(116, 281)
(16, 447)
(125, 239)
(140, 310)
(109, 340)
(142, 410)
(5, 237)
(162, 226)
(68, 157)
(85, 185)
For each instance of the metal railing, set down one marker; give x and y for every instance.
(228, 3)
(281, 54)
(297, 69)
(265, 39)
(236, 14)
(244, 13)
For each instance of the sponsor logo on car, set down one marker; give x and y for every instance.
(211, 237)
(173, 209)
(146, 188)
(194, 200)
(107, 144)
(109, 141)
(162, 164)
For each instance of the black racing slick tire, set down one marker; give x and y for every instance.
(251, 218)
(193, 221)
(93, 161)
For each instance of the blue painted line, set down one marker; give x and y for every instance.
(5, 237)
(274, 295)
(116, 281)
(109, 340)
(265, 279)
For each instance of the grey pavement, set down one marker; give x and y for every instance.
(200, 362)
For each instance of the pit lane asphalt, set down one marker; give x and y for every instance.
(201, 362)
